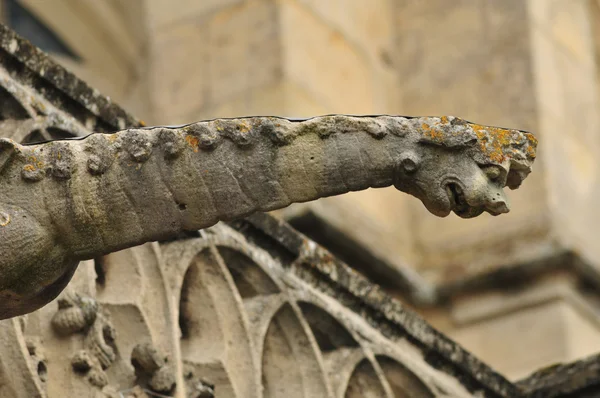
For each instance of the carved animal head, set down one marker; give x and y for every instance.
(439, 173)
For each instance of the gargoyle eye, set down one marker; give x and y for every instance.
(493, 173)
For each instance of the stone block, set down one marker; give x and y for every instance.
(501, 341)
(180, 71)
(265, 100)
(369, 27)
(323, 62)
(498, 326)
(165, 12)
(567, 23)
(202, 64)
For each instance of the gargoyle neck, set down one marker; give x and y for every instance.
(143, 185)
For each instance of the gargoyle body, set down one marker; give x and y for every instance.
(70, 200)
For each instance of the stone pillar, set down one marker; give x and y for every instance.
(537, 324)
(214, 58)
(563, 52)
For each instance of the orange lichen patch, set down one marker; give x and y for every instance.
(531, 138)
(432, 132)
(193, 142)
(494, 141)
(533, 142)
(29, 167)
(243, 127)
(34, 163)
(497, 145)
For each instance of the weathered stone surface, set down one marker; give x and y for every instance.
(243, 299)
(576, 379)
(525, 64)
(42, 72)
(74, 314)
(204, 294)
(498, 325)
(317, 267)
(149, 194)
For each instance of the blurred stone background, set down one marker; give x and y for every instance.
(519, 291)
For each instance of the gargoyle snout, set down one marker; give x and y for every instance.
(497, 203)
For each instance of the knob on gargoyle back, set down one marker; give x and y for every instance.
(70, 200)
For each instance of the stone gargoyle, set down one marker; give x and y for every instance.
(69, 200)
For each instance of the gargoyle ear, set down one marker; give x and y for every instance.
(409, 162)
(517, 173)
(7, 150)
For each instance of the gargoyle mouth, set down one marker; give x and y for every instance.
(459, 204)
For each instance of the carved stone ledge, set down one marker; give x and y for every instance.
(316, 266)
(28, 64)
(576, 379)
